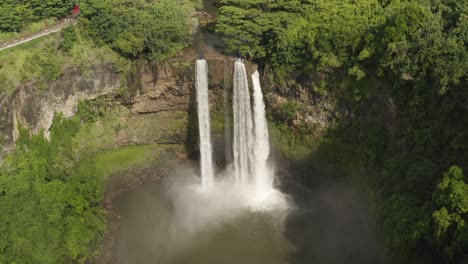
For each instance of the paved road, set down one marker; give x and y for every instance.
(55, 28)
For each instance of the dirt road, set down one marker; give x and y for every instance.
(55, 28)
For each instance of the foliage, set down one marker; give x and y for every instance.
(121, 159)
(289, 110)
(450, 219)
(15, 15)
(294, 143)
(29, 29)
(51, 191)
(404, 40)
(50, 202)
(69, 35)
(157, 29)
(43, 66)
(406, 130)
(44, 60)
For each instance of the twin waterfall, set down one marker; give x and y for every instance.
(243, 126)
(263, 175)
(250, 133)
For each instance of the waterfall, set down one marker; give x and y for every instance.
(249, 171)
(262, 174)
(243, 134)
(203, 110)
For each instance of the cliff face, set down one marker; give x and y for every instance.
(32, 108)
(160, 107)
(157, 111)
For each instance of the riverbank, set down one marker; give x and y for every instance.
(118, 186)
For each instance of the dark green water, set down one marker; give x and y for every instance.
(170, 223)
(156, 229)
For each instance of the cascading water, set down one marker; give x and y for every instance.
(263, 179)
(201, 86)
(250, 147)
(243, 134)
(251, 144)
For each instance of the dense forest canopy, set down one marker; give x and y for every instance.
(156, 29)
(50, 199)
(51, 190)
(15, 14)
(414, 53)
(409, 54)
(409, 40)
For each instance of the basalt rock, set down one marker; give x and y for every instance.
(161, 96)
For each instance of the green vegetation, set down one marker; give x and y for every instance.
(396, 68)
(29, 29)
(122, 159)
(32, 61)
(405, 40)
(398, 71)
(50, 200)
(51, 191)
(70, 36)
(16, 15)
(156, 29)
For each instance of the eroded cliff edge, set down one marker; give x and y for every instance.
(153, 102)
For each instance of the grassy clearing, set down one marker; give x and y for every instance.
(100, 138)
(125, 158)
(112, 161)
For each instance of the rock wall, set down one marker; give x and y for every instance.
(160, 107)
(33, 108)
(310, 109)
(162, 96)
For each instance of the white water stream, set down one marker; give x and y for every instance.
(203, 109)
(250, 171)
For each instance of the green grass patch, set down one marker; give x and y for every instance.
(125, 158)
(112, 161)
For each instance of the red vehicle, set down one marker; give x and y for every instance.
(76, 11)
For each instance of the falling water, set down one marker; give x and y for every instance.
(263, 176)
(201, 85)
(250, 147)
(243, 134)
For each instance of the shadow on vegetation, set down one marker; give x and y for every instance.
(331, 222)
(191, 142)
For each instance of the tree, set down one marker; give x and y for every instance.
(450, 219)
(156, 29)
(50, 201)
(70, 36)
(14, 15)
